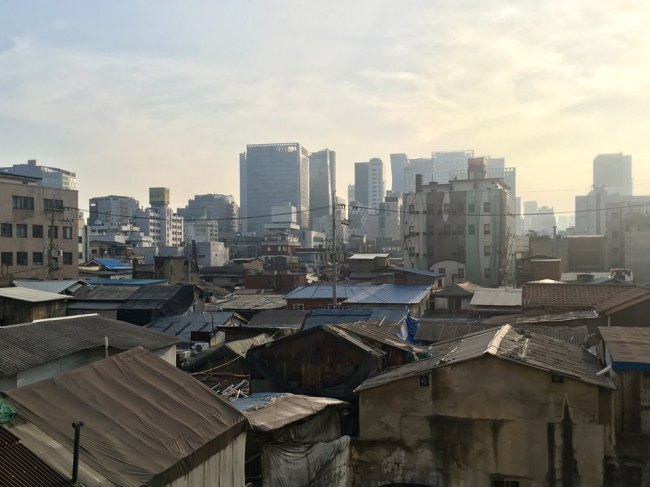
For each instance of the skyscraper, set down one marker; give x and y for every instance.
(614, 172)
(113, 210)
(322, 181)
(271, 174)
(398, 163)
(369, 184)
(218, 207)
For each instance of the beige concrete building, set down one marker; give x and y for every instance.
(495, 408)
(38, 229)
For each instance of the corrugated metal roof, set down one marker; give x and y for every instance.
(126, 438)
(170, 300)
(54, 286)
(126, 282)
(501, 296)
(268, 411)
(567, 296)
(105, 293)
(369, 256)
(555, 356)
(324, 291)
(29, 295)
(522, 319)
(182, 326)
(253, 301)
(113, 264)
(629, 347)
(375, 332)
(20, 467)
(31, 344)
(390, 317)
(278, 318)
(420, 272)
(391, 294)
(458, 290)
(240, 347)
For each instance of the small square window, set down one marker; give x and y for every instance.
(486, 207)
(487, 274)
(471, 229)
(486, 229)
(21, 258)
(56, 231)
(461, 273)
(37, 258)
(424, 380)
(6, 230)
(67, 258)
(6, 258)
(67, 233)
(486, 250)
(37, 231)
(21, 230)
(471, 208)
(299, 306)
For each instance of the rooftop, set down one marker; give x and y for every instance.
(183, 325)
(566, 295)
(146, 444)
(32, 344)
(30, 295)
(537, 351)
(459, 290)
(54, 286)
(278, 318)
(324, 291)
(498, 297)
(630, 296)
(369, 256)
(390, 294)
(629, 347)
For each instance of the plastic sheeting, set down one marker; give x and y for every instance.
(307, 465)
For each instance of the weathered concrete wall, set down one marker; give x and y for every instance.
(477, 420)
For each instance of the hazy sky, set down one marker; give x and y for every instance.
(137, 94)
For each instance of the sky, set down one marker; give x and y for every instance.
(132, 94)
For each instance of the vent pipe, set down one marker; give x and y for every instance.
(75, 455)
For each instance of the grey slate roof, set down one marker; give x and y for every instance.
(28, 345)
(549, 354)
(182, 326)
(324, 291)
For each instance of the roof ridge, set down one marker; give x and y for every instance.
(493, 346)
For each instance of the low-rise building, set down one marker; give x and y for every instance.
(444, 421)
(21, 305)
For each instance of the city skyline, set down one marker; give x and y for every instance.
(134, 105)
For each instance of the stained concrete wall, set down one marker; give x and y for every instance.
(481, 420)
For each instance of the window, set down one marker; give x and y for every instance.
(411, 208)
(486, 273)
(461, 273)
(6, 258)
(6, 230)
(23, 202)
(486, 207)
(21, 230)
(37, 258)
(471, 229)
(445, 208)
(411, 229)
(486, 229)
(299, 306)
(56, 231)
(67, 258)
(21, 258)
(471, 208)
(37, 231)
(52, 205)
(67, 233)
(486, 250)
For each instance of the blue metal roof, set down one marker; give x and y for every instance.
(113, 264)
(420, 272)
(324, 291)
(390, 294)
(127, 282)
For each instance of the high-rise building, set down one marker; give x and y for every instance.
(51, 177)
(322, 181)
(369, 184)
(441, 167)
(112, 210)
(273, 174)
(159, 221)
(398, 163)
(614, 173)
(463, 229)
(220, 208)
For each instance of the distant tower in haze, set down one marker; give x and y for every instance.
(322, 181)
(614, 172)
(273, 174)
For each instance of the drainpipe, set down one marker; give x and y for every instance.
(75, 458)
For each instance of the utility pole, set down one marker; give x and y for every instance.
(334, 256)
(51, 266)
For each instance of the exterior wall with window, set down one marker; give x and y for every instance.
(479, 423)
(470, 222)
(38, 229)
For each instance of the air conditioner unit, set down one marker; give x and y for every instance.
(183, 355)
(200, 346)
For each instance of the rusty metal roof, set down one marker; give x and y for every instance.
(549, 354)
(629, 297)
(567, 296)
(20, 467)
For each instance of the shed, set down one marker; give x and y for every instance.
(414, 297)
(455, 297)
(628, 308)
(46, 348)
(295, 440)
(197, 326)
(62, 286)
(565, 296)
(320, 295)
(104, 300)
(20, 305)
(405, 275)
(496, 300)
(272, 320)
(158, 436)
(148, 303)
